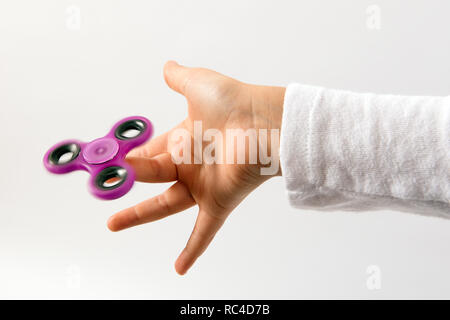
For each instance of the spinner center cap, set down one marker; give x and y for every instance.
(100, 150)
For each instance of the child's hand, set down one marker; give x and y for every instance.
(221, 103)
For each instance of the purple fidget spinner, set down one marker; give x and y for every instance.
(103, 158)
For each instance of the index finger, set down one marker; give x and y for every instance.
(154, 146)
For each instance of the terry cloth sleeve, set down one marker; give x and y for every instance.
(351, 151)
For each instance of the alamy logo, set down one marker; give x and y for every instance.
(73, 277)
(373, 21)
(73, 18)
(239, 146)
(373, 281)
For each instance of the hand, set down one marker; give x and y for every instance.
(219, 102)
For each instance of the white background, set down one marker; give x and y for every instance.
(58, 81)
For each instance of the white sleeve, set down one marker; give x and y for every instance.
(358, 151)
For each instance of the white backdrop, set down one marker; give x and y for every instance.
(70, 69)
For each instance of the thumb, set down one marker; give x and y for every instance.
(176, 76)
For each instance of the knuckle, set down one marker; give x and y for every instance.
(163, 202)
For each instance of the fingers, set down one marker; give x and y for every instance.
(152, 148)
(205, 228)
(176, 76)
(157, 169)
(155, 146)
(175, 199)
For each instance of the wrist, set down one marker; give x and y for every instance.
(267, 105)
